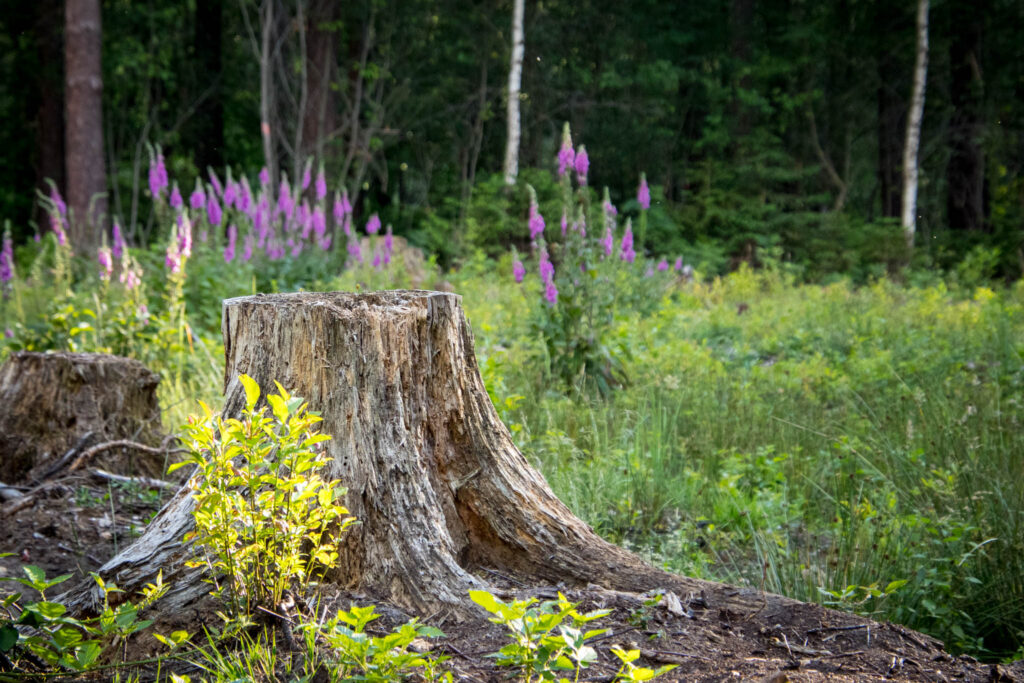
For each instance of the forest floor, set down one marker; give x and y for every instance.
(76, 524)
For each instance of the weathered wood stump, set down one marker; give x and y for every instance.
(433, 477)
(53, 402)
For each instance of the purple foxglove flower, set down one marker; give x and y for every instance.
(536, 222)
(565, 223)
(176, 201)
(7, 259)
(307, 175)
(649, 272)
(376, 259)
(545, 267)
(347, 225)
(36, 237)
(321, 184)
(305, 219)
(373, 225)
(198, 198)
(643, 193)
(129, 276)
(662, 265)
(157, 176)
(172, 258)
(581, 226)
(215, 183)
(230, 194)
(609, 209)
(204, 236)
(58, 201)
(338, 210)
(184, 236)
(144, 311)
(8, 333)
(518, 270)
(213, 210)
(106, 261)
(565, 154)
(626, 251)
(389, 240)
(229, 250)
(354, 251)
(551, 292)
(608, 242)
(679, 264)
(566, 157)
(57, 225)
(297, 249)
(325, 243)
(582, 165)
(118, 240)
(264, 176)
(247, 252)
(284, 199)
(319, 221)
(244, 201)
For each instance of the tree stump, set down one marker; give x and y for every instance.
(440, 491)
(53, 402)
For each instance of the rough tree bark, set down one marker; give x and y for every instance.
(86, 166)
(319, 119)
(440, 491)
(53, 402)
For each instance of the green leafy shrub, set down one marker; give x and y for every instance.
(266, 521)
(58, 640)
(537, 650)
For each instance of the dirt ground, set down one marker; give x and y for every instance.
(77, 523)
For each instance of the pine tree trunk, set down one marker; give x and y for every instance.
(86, 166)
(319, 120)
(440, 491)
(965, 172)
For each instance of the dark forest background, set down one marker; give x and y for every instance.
(767, 128)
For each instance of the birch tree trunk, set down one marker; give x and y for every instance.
(913, 141)
(83, 104)
(439, 489)
(515, 78)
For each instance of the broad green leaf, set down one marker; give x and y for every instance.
(252, 390)
(279, 406)
(8, 637)
(487, 601)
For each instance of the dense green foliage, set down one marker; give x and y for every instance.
(832, 442)
(762, 125)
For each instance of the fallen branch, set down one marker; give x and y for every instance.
(145, 482)
(72, 452)
(125, 443)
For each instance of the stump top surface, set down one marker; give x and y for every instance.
(61, 358)
(396, 298)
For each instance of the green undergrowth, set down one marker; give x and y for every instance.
(857, 447)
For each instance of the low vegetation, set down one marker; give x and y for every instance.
(856, 445)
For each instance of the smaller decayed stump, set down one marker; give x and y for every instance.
(51, 403)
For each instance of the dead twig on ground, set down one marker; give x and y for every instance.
(92, 452)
